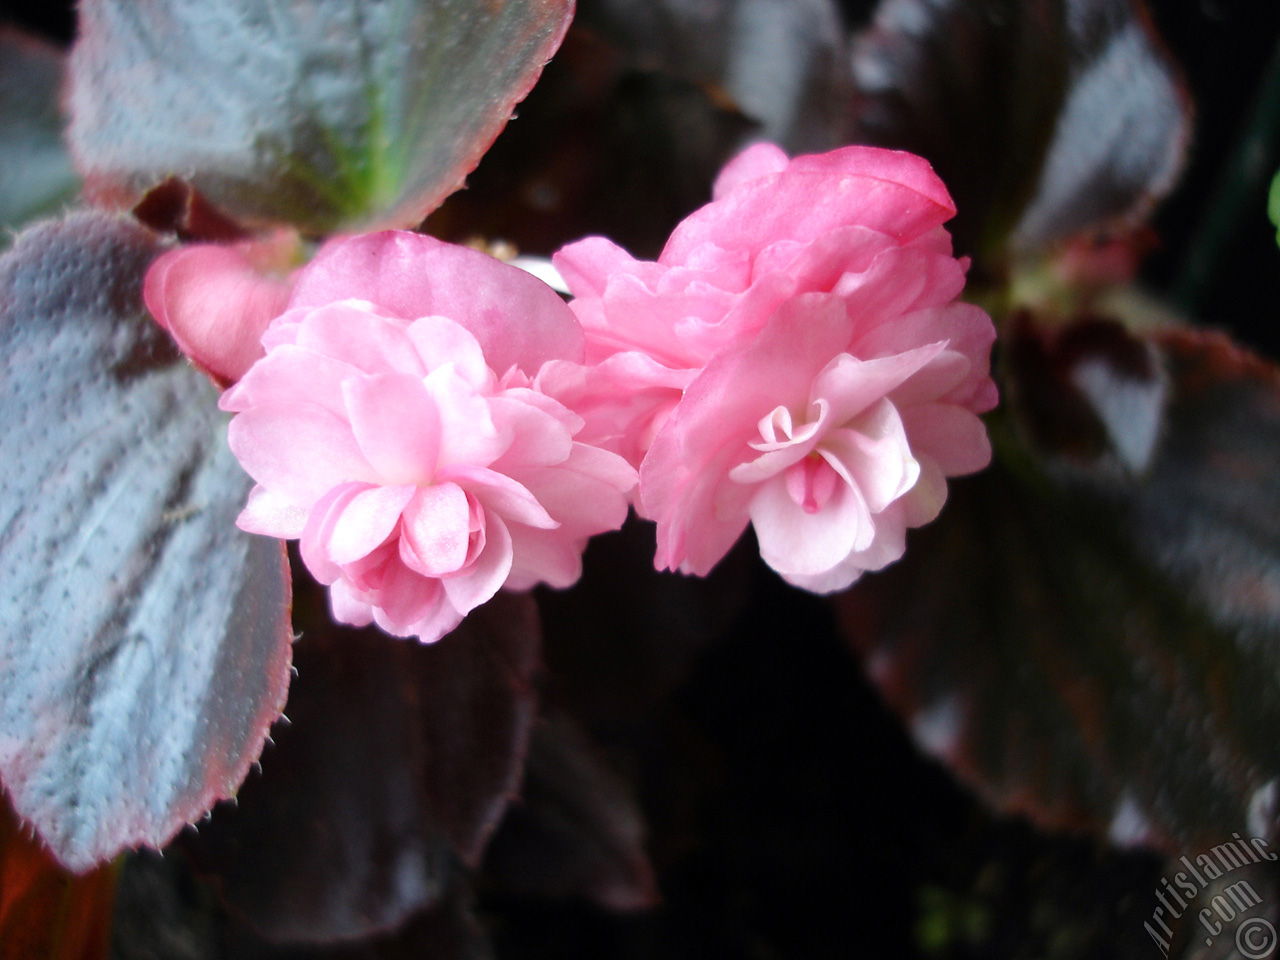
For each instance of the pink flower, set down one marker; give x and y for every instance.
(795, 360)
(217, 300)
(394, 427)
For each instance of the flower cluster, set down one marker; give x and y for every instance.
(434, 425)
(392, 426)
(795, 359)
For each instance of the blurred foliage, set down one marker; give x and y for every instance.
(1273, 204)
(36, 174)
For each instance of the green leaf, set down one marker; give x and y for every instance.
(36, 173)
(146, 640)
(323, 114)
(1090, 634)
(1273, 205)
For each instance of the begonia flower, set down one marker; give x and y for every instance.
(395, 428)
(795, 359)
(216, 300)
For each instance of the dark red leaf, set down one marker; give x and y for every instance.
(146, 640)
(601, 147)
(626, 636)
(577, 831)
(395, 753)
(322, 114)
(1090, 634)
(784, 65)
(333, 840)
(1043, 117)
(477, 703)
(173, 207)
(163, 912)
(448, 930)
(166, 912)
(47, 912)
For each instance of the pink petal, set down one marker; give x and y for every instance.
(889, 545)
(540, 430)
(587, 493)
(216, 304)
(368, 572)
(298, 450)
(752, 163)
(840, 577)
(503, 496)
(517, 319)
(436, 534)
(409, 604)
(967, 330)
(272, 514)
(784, 442)
(440, 341)
(516, 386)
(898, 281)
(468, 436)
(395, 422)
(803, 203)
(955, 438)
(940, 377)
(850, 386)
(284, 328)
(356, 333)
(471, 587)
(288, 373)
(347, 606)
(818, 265)
(796, 541)
(709, 265)
(874, 456)
(811, 483)
(770, 464)
(703, 529)
(684, 476)
(543, 556)
(440, 621)
(624, 401)
(635, 317)
(318, 531)
(365, 522)
(924, 501)
(586, 265)
(891, 166)
(745, 315)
